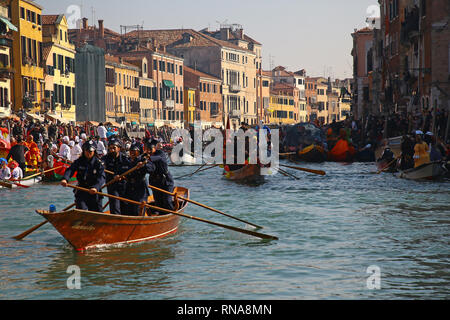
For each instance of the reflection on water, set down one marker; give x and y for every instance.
(331, 228)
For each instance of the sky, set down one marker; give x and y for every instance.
(314, 35)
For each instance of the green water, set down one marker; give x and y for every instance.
(331, 229)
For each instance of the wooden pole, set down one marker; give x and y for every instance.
(320, 172)
(252, 233)
(203, 206)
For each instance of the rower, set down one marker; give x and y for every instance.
(90, 175)
(136, 187)
(118, 163)
(159, 175)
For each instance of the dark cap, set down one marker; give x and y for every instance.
(136, 147)
(89, 145)
(150, 143)
(114, 142)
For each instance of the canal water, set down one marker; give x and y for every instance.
(352, 234)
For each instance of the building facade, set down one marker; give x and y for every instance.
(59, 57)
(27, 56)
(7, 30)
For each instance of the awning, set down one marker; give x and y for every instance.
(8, 23)
(168, 83)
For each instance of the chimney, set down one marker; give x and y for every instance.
(162, 48)
(101, 29)
(155, 44)
(241, 33)
(85, 23)
(224, 34)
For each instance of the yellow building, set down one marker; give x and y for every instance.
(6, 71)
(59, 55)
(189, 107)
(283, 104)
(122, 91)
(27, 56)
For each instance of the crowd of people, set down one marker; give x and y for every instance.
(98, 155)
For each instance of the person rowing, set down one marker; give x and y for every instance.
(90, 175)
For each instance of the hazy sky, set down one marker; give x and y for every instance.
(298, 34)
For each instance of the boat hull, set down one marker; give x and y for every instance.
(249, 173)
(27, 183)
(88, 230)
(312, 154)
(429, 171)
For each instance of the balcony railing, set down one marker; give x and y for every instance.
(169, 104)
(235, 88)
(235, 114)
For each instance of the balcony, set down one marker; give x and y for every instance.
(235, 88)
(169, 104)
(235, 114)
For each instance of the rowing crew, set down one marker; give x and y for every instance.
(92, 173)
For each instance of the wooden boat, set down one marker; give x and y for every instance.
(342, 152)
(7, 184)
(250, 173)
(428, 171)
(312, 153)
(86, 229)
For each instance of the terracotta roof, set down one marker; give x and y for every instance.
(232, 36)
(115, 59)
(46, 51)
(200, 74)
(49, 18)
(174, 38)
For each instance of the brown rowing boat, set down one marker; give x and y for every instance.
(250, 173)
(86, 229)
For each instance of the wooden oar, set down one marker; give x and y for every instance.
(252, 233)
(320, 172)
(27, 232)
(198, 170)
(203, 206)
(387, 166)
(287, 174)
(19, 184)
(6, 184)
(39, 173)
(287, 153)
(70, 162)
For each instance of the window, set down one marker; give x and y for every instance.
(181, 70)
(155, 65)
(39, 21)
(22, 13)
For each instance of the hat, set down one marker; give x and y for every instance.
(83, 136)
(3, 160)
(150, 143)
(89, 145)
(114, 142)
(136, 147)
(429, 133)
(418, 132)
(13, 164)
(77, 139)
(71, 143)
(66, 139)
